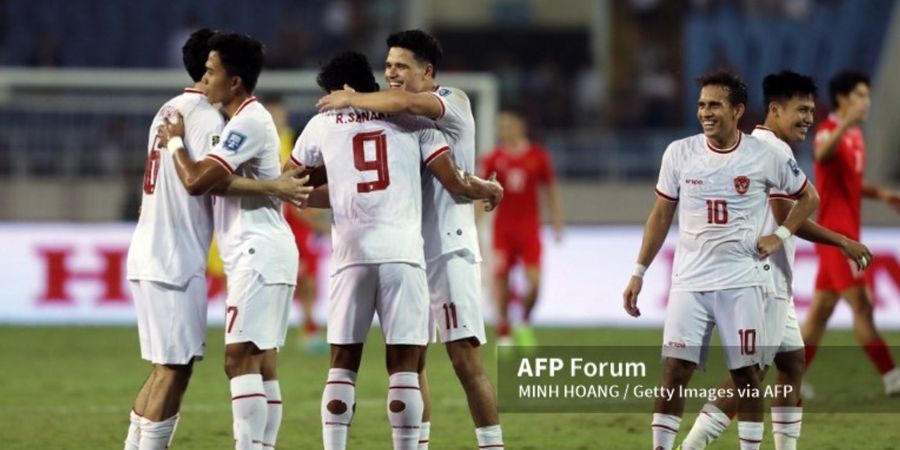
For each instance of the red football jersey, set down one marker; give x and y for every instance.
(839, 181)
(520, 174)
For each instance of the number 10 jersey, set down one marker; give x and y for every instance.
(722, 197)
(374, 163)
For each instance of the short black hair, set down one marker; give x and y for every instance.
(737, 90)
(348, 67)
(195, 51)
(784, 85)
(845, 82)
(241, 55)
(423, 46)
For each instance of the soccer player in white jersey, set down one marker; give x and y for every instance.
(167, 280)
(256, 245)
(720, 182)
(451, 241)
(790, 102)
(374, 166)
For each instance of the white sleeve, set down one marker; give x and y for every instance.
(668, 185)
(202, 132)
(775, 192)
(456, 110)
(308, 147)
(242, 140)
(432, 144)
(786, 176)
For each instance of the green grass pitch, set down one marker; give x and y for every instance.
(72, 387)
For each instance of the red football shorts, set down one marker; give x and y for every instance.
(836, 272)
(514, 244)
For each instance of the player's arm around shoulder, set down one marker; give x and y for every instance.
(393, 101)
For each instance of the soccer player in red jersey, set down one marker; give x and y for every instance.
(839, 161)
(522, 167)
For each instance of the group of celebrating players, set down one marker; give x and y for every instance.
(404, 238)
(740, 199)
(395, 168)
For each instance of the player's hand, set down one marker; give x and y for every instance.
(292, 188)
(336, 100)
(630, 296)
(496, 192)
(162, 137)
(768, 245)
(857, 252)
(175, 125)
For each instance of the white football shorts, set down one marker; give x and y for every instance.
(171, 320)
(397, 292)
(454, 284)
(255, 311)
(738, 314)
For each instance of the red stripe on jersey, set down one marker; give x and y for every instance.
(669, 198)
(762, 127)
(443, 107)
(221, 161)
(784, 196)
(243, 105)
(194, 91)
(295, 160)
(800, 191)
(435, 155)
(726, 150)
(247, 396)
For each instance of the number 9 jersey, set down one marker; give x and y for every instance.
(374, 163)
(723, 201)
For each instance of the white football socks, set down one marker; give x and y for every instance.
(404, 407)
(338, 404)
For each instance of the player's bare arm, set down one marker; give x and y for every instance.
(469, 186)
(392, 101)
(290, 187)
(815, 233)
(554, 205)
(655, 230)
(197, 177)
(891, 198)
(807, 202)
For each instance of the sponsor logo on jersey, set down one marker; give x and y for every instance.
(234, 141)
(214, 140)
(741, 184)
(443, 92)
(794, 168)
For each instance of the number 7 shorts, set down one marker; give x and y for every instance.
(738, 314)
(454, 284)
(397, 292)
(256, 311)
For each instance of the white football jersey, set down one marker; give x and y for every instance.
(448, 223)
(251, 231)
(722, 200)
(783, 259)
(171, 241)
(374, 164)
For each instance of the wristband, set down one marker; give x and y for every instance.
(174, 144)
(639, 270)
(783, 233)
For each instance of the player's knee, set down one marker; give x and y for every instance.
(791, 365)
(678, 372)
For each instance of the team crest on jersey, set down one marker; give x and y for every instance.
(234, 141)
(443, 92)
(794, 168)
(741, 184)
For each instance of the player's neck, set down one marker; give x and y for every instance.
(773, 127)
(516, 146)
(727, 141)
(429, 85)
(231, 108)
